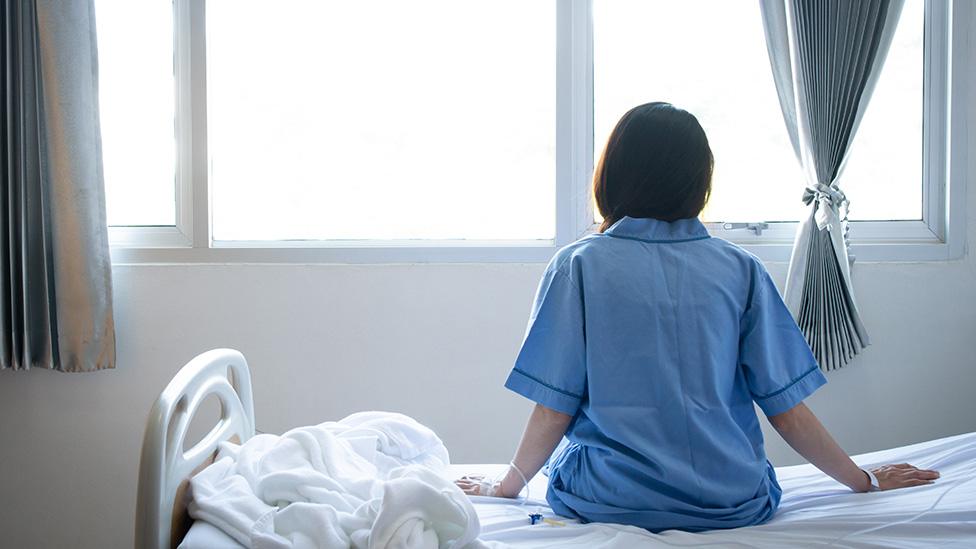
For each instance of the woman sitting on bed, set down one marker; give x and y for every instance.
(648, 344)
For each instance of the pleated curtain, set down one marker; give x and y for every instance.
(55, 276)
(826, 56)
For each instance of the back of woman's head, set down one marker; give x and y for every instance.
(657, 163)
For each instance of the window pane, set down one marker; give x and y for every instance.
(883, 176)
(136, 102)
(709, 57)
(382, 119)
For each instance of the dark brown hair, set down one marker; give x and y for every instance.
(657, 163)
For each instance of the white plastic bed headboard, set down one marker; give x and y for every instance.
(165, 469)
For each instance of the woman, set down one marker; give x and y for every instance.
(647, 346)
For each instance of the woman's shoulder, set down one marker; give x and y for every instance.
(569, 259)
(714, 253)
(567, 255)
(734, 251)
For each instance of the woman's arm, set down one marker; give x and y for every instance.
(543, 431)
(804, 432)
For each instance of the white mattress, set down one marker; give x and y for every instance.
(815, 511)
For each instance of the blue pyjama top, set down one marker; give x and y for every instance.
(658, 339)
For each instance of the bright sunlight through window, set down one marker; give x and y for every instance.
(436, 120)
(382, 119)
(136, 103)
(709, 57)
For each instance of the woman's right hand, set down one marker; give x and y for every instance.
(903, 475)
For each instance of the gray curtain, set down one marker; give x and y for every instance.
(55, 284)
(826, 56)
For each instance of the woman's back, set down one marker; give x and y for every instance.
(657, 339)
(647, 346)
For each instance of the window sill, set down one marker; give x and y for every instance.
(888, 251)
(871, 241)
(768, 249)
(344, 252)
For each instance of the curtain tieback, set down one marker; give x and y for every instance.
(830, 199)
(833, 202)
(831, 193)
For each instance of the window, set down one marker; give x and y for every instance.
(382, 119)
(886, 156)
(437, 130)
(709, 57)
(137, 103)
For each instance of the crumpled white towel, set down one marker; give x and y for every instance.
(392, 440)
(373, 480)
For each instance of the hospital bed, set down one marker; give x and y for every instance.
(815, 510)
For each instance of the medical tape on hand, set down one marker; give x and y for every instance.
(487, 487)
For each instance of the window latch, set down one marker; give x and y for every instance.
(756, 228)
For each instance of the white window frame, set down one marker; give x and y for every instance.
(940, 235)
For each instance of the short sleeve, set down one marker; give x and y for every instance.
(551, 365)
(779, 368)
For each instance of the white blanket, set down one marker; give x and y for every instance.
(372, 480)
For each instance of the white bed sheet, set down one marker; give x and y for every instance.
(815, 512)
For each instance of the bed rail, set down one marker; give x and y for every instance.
(165, 468)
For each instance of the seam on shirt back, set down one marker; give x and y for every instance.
(675, 293)
(792, 383)
(544, 384)
(662, 241)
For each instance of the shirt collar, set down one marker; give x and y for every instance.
(655, 230)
